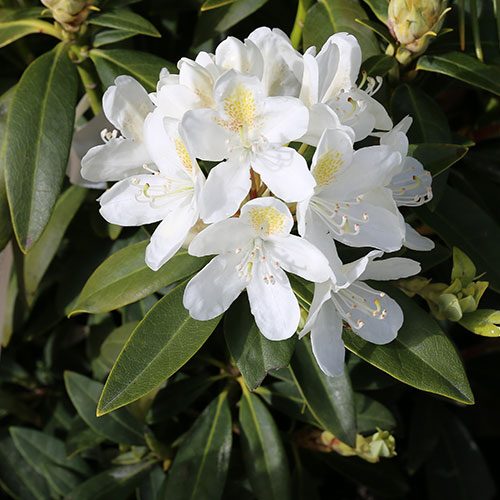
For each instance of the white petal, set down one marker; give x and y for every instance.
(124, 204)
(198, 79)
(242, 57)
(285, 172)
(353, 270)
(416, 241)
(267, 217)
(169, 236)
(326, 341)
(412, 186)
(322, 293)
(376, 319)
(214, 288)
(298, 256)
(390, 269)
(115, 160)
(126, 105)
(175, 100)
(310, 81)
(227, 185)
(273, 304)
(285, 119)
(208, 138)
(224, 236)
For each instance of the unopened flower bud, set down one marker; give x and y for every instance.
(69, 13)
(449, 307)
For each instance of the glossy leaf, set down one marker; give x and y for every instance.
(379, 65)
(145, 68)
(372, 414)
(215, 4)
(39, 257)
(330, 399)
(125, 20)
(19, 478)
(11, 31)
(380, 8)
(421, 355)
(482, 322)
(118, 482)
(38, 139)
(162, 343)
(107, 37)
(462, 223)
(60, 479)
(119, 426)
(253, 353)
(153, 487)
(124, 278)
(378, 28)
(263, 451)
(39, 448)
(465, 68)
(80, 437)
(437, 157)
(333, 16)
(113, 344)
(200, 466)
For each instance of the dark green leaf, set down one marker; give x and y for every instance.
(263, 451)
(365, 377)
(113, 344)
(119, 426)
(333, 16)
(124, 278)
(119, 483)
(38, 139)
(107, 37)
(215, 4)
(378, 28)
(81, 437)
(379, 65)
(421, 355)
(36, 262)
(437, 157)
(371, 414)
(465, 68)
(162, 343)
(125, 20)
(145, 68)
(253, 353)
(429, 122)
(460, 222)
(200, 466)
(60, 479)
(153, 487)
(380, 8)
(330, 399)
(13, 30)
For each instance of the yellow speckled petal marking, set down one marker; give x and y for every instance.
(267, 220)
(241, 108)
(327, 167)
(183, 155)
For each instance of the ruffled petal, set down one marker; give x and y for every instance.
(273, 304)
(214, 288)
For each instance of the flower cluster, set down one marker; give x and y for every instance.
(211, 153)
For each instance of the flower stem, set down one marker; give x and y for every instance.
(298, 25)
(86, 72)
(303, 149)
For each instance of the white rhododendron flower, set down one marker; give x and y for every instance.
(247, 130)
(371, 314)
(254, 251)
(126, 105)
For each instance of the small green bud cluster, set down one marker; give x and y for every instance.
(70, 14)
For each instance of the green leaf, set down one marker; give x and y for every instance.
(119, 426)
(80, 437)
(38, 139)
(461, 223)
(18, 477)
(379, 65)
(263, 451)
(457, 469)
(253, 353)
(145, 68)
(14, 30)
(124, 278)
(124, 20)
(372, 414)
(153, 487)
(162, 343)
(421, 355)
(437, 157)
(38, 449)
(330, 399)
(215, 4)
(203, 456)
(113, 344)
(107, 37)
(380, 8)
(465, 68)
(118, 482)
(43, 251)
(463, 268)
(333, 16)
(482, 322)
(429, 122)
(60, 479)
(378, 28)
(5, 224)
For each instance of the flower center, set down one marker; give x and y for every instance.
(340, 217)
(327, 167)
(240, 107)
(183, 155)
(255, 259)
(267, 220)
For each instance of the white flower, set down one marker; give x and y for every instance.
(126, 105)
(371, 314)
(254, 251)
(168, 195)
(248, 130)
(350, 202)
(329, 90)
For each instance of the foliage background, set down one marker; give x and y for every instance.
(62, 331)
